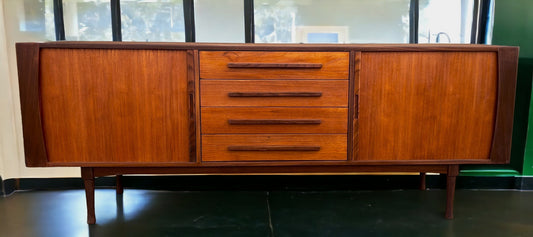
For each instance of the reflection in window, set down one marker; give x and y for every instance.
(445, 21)
(87, 20)
(156, 20)
(219, 20)
(331, 21)
(34, 17)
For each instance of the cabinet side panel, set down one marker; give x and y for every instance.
(427, 105)
(507, 72)
(28, 75)
(107, 105)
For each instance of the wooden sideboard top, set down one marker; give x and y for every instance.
(270, 47)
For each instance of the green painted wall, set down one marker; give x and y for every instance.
(513, 25)
(528, 153)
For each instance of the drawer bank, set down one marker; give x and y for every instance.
(187, 108)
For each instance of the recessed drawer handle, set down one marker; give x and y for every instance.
(273, 148)
(275, 94)
(276, 65)
(274, 121)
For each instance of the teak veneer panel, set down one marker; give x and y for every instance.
(28, 75)
(427, 105)
(214, 65)
(217, 92)
(115, 105)
(275, 46)
(216, 120)
(219, 147)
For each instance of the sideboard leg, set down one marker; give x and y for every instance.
(422, 181)
(120, 188)
(87, 175)
(451, 177)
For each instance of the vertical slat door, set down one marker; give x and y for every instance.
(427, 105)
(101, 105)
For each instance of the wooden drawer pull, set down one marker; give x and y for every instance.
(275, 94)
(274, 121)
(276, 65)
(273, 148)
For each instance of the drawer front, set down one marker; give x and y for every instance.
(273, 120)
(273, 65)
(274, 147)
(331, 93)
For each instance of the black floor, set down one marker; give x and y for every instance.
(277, 213)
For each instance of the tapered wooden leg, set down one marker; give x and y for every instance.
(451, 177)
(422, 181)
(120, 188)
(87, 175)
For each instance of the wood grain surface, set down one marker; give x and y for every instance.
(353, 106)
(30, 105)
(215, 120)
(214, 65)
(332, 92)
(284, 168)
(192, 103)
(503, 129)
(215, 147)
(276, 46)
(115, 105)
(197, 106)
(431, 105)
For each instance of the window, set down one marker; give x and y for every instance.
(338, 21)
(156, 20)
(34, 18)
(87, 20)
(263, 21)
(219, 21)
(445, 21)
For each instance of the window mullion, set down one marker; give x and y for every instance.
(116, 26)
(249, 27)
(188, 14)
(413, 21)
(58, 20)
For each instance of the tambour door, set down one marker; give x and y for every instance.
(113, 105)
(427, 105)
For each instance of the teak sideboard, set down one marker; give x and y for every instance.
(187, 108)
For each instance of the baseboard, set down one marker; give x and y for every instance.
(271, 182)
(526, 182)
(9, 186)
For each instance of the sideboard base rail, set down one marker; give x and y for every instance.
(90, 173)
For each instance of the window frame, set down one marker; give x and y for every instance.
(480, 24)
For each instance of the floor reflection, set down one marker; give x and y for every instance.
(288, 213)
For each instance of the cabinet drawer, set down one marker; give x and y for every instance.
(273, 147)
(274, 120)
(273, 65)
(333, 93)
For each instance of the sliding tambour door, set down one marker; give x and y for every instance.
(427, 105)
(113, 105)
